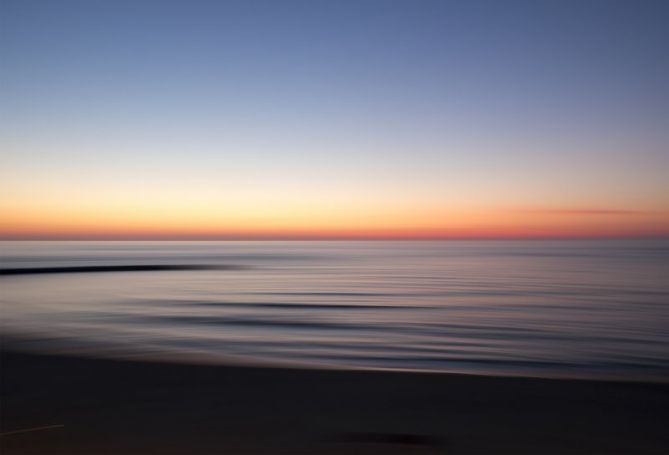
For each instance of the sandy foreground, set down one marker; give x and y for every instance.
(55, 404)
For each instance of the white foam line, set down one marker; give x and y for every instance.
(26, 430)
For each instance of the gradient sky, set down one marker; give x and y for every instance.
(334, 119)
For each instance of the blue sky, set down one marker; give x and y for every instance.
(487, 104)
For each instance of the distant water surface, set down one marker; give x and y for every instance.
(550, 308)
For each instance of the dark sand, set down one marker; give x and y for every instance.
(123, 407)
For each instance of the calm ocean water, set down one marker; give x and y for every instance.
(550, 308)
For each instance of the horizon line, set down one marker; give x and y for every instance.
(333, 238)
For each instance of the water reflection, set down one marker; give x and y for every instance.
(551, 308)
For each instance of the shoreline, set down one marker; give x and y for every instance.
(78, 405)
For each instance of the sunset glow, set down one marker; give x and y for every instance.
(309, 122)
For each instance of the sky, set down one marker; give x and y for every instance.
(281, 119)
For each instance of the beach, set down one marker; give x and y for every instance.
(208, 348)
(54, 404)
(334, 227)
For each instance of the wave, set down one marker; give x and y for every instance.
(250, 322)
(115, 268)
(301, 306)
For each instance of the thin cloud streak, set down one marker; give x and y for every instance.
(583, 212)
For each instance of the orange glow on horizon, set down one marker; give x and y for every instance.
(407, 224)
(132, 213)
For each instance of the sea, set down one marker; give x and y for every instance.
(563, 308)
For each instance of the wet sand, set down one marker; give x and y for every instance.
(68, 405)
